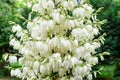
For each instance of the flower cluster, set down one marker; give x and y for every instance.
(59, 42)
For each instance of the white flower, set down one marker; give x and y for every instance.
(43, 49)
(74, 61)
(89, 77)
(89, 8)
(29, 63)
(89, 28)
(50, 4)
(62, 72)
(43, 69)
(71, 5)
(36, 66)
(79, 12)
(77, 71)
(26, 70)
(96, 44)
(75, 33)
(56, 16)
(93, 60)
(79, 52)
(12, 73)
(51, 25)
(35, 32)
(65, 44)
(89, 47)
(12, 59)
(25, 51)
(16, 45)
(44, 26)
(16, 28)
(12, 41)
(19, 34)
(35, 7)
(72, 78)
(85, 32)
(62, 22)
(21, 60)
(53, 43)
(75, 42)
(43, 4)
(95, 31)
(69, 24)
(65, 4)
(67, 62)
(17, 73)
(78, 78)
(30, 25)
(55, 61)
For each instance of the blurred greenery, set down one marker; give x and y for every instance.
(10, 10)
(111, 12)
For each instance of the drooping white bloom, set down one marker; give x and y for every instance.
(65, 44)
(12, 41)
(30, 25)
(43, 49)
(35, 32)
(95, 31)
(55, 62)
(89, 77)
(17, 73)
(12, 72)
(26, 70)
(44, 69)
(20, 61)
(36, 66)
(51, 4)
(12, 59)
(71, 5)
(65, 4)
(51, 25)
(67, 63)
(56, 16)
(79, 12)
(62, 72)
(69, 24)
(43, 4)
(77, 71)
(89, 28)
(35, 7)
(16, 28)
(93, 60)
(74, 61)
(88, 7)
(16, 45)
(79, 52)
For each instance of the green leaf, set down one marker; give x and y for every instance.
(105, 53)
(95, 74)
(101, 57)
(15, 65)
(5, 56)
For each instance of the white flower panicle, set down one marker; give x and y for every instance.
(59, 42)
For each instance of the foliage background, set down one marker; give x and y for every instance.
(10, 10)
(111, 12)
